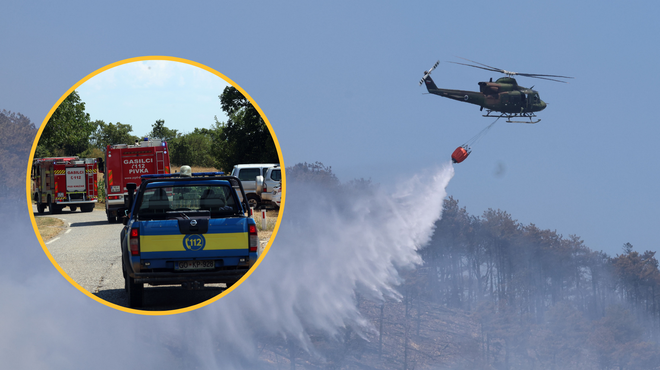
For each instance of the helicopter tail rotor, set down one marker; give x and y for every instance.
(428, 73)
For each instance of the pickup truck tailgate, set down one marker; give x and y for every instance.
(225, 237)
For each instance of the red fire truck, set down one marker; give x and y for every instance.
(60, 182)
(125, 164)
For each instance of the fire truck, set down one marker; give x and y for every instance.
(59, 182)
(126, 164)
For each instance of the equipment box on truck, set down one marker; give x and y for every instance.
(59, 182)
(186, 230)
(126, 164)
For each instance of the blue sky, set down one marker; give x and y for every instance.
(339, 84)
(140, 92)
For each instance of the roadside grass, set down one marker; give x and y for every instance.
(176, 169)
(271, 221)
(49, 227)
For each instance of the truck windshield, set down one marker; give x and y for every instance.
(197, 200)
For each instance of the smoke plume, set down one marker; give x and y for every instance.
(333, 242)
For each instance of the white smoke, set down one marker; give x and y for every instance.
(330, 245)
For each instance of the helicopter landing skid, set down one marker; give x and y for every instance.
(515, 115)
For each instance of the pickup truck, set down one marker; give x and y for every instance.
(186, 229)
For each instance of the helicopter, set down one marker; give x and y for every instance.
(502, 98)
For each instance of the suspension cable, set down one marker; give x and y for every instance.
(478, 136)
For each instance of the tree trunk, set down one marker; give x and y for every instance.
(380, 331)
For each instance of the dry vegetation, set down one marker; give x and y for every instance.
(414, 336)
(271, 221)
(176, 169)
(49, 227)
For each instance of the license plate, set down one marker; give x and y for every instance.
(194, 265)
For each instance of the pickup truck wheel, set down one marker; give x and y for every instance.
(135, 292)
(253, 202)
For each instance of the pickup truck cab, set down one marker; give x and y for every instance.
(186, 229)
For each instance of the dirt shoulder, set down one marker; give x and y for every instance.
(50, 227)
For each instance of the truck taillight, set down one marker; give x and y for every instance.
(135, 242)
(254, 239)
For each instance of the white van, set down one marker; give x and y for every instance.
(253, 177)
(272, 179)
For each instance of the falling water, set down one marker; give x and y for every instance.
(332, 243)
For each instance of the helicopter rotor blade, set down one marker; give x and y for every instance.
(428, 73)
(487, 69)
(544, 77)
(549, 79)
(510, 73)
(481, 64)
(537, 75)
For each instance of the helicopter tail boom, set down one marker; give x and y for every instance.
(427, 78)
(430, 85)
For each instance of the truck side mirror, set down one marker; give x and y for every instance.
(124, 215)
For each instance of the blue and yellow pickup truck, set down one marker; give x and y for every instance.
(186, 229)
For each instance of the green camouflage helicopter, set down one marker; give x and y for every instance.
(502, 98)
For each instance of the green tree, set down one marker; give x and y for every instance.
(193, 149)
(639, 277)
(159, 131)
(92, 152)
(312, 173)
(244, 138)
(16, 137)
(111, 133)
(69, 128)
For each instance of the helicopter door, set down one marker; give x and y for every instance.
(524, 102)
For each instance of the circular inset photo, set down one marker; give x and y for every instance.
(155, 185)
